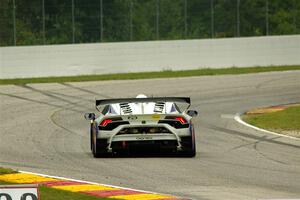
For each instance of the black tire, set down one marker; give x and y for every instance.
(91, 140)
(188, 147)
(189, 153)
(99, 148)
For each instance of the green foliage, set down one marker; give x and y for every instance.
(171, 23)
(283, 16)
(126, 20)
(199, 19)
(6, 24)
(6, 171)
(144, 17)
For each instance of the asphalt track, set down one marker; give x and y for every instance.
(43, 130)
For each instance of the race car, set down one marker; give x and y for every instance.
(160, 124)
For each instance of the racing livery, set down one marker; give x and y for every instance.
(142, 123)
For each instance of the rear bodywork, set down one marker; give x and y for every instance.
(153, 124)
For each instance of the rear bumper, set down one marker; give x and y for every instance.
(144, 141)
(149, 146)
(143, 137)
(126, 143)
(170, 140)
(155, 140)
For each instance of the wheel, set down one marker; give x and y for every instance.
(189, 153)
(99, 147)
(188, 147)
(91, 139)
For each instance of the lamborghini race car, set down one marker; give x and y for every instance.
(154, 124)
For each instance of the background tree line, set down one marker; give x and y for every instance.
(38, 22)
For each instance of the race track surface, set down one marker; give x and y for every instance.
(43, 130)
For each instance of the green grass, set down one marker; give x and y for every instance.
(287, 120)
(148, 75)
(53, 194)
(6, 171)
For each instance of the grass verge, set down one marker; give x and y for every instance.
(47, 193)
(148, 75)
(286, 121)
(6, 171)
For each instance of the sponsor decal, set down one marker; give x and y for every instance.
(157, 117)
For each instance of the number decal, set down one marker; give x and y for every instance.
(7, 196)
(32, 196)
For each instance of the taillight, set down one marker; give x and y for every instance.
(175, 121)
(105, 122)
(111, 123)
(181, 119)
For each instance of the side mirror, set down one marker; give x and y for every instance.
(192, 113)
(89, 116)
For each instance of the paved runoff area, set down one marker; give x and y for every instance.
(92, 189)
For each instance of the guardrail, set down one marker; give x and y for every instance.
(104, 58)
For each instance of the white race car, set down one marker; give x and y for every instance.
(141, 123)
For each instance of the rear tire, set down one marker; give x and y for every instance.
(189, 147)
(99, 148)
(91, 141)
(189, 153)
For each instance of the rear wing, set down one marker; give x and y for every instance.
(103, 102)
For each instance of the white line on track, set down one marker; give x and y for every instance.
(237, 118)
